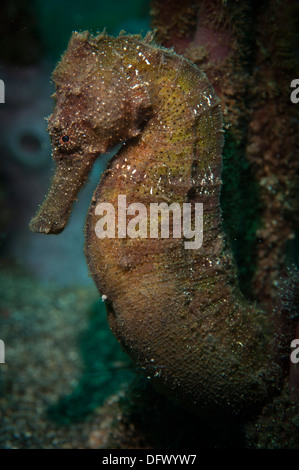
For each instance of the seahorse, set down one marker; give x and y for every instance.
(178, 312)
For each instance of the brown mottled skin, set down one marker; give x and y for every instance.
(178, 313)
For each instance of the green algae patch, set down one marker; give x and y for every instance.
(241, 206)
(105, 368)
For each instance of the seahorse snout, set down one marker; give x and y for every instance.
(43, 223)
(52, 217)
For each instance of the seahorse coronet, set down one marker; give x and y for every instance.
(178, 313)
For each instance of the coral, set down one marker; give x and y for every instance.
(174, 22)
(277, 425)
(178, 313)
(272, 146)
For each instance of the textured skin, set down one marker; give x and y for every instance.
(178, 313)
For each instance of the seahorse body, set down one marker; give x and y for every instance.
(178, 312)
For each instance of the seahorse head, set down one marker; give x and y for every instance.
(95, 109)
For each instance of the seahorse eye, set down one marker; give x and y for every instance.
(65, 138)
